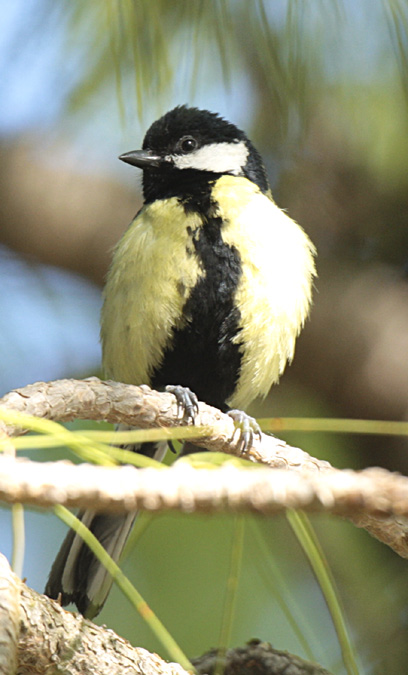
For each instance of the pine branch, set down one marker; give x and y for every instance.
(374, 499)
(94, 399)
(37, 637)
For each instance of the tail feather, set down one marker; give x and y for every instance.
(77, 575)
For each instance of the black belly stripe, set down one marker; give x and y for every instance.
(202, 355)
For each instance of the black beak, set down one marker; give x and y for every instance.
(143, 159)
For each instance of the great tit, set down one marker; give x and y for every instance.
(208, 289)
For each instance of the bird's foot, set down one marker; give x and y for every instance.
(248, 429)
(187, 402)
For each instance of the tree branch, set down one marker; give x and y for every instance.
(374, 499)
(52, 640)
(370, 498)
(258, 658)
(9, 618)
(37, 636)
(94, 399)
(60, 213)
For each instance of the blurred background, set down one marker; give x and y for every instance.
(322, 90)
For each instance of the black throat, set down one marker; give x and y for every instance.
(167, 182)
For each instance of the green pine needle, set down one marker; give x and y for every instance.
(17, 556)
(230, 600)
(307, 538)
(133, 595)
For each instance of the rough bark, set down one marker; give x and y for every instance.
(374, 499)
(38, 637)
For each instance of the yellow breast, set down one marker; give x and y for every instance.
(274, 293)
(149, 281)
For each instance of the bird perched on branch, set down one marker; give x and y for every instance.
(207, 292)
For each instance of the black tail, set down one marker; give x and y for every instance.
(77, 575)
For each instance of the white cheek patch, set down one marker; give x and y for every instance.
(216, 157)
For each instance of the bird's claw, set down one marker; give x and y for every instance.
(248, 429)
(187, 402)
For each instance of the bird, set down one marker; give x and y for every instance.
(207, 292)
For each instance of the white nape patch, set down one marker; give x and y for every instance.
(216, 157)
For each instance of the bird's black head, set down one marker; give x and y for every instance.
(187, 148)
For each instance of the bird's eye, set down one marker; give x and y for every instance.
(187, 144)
